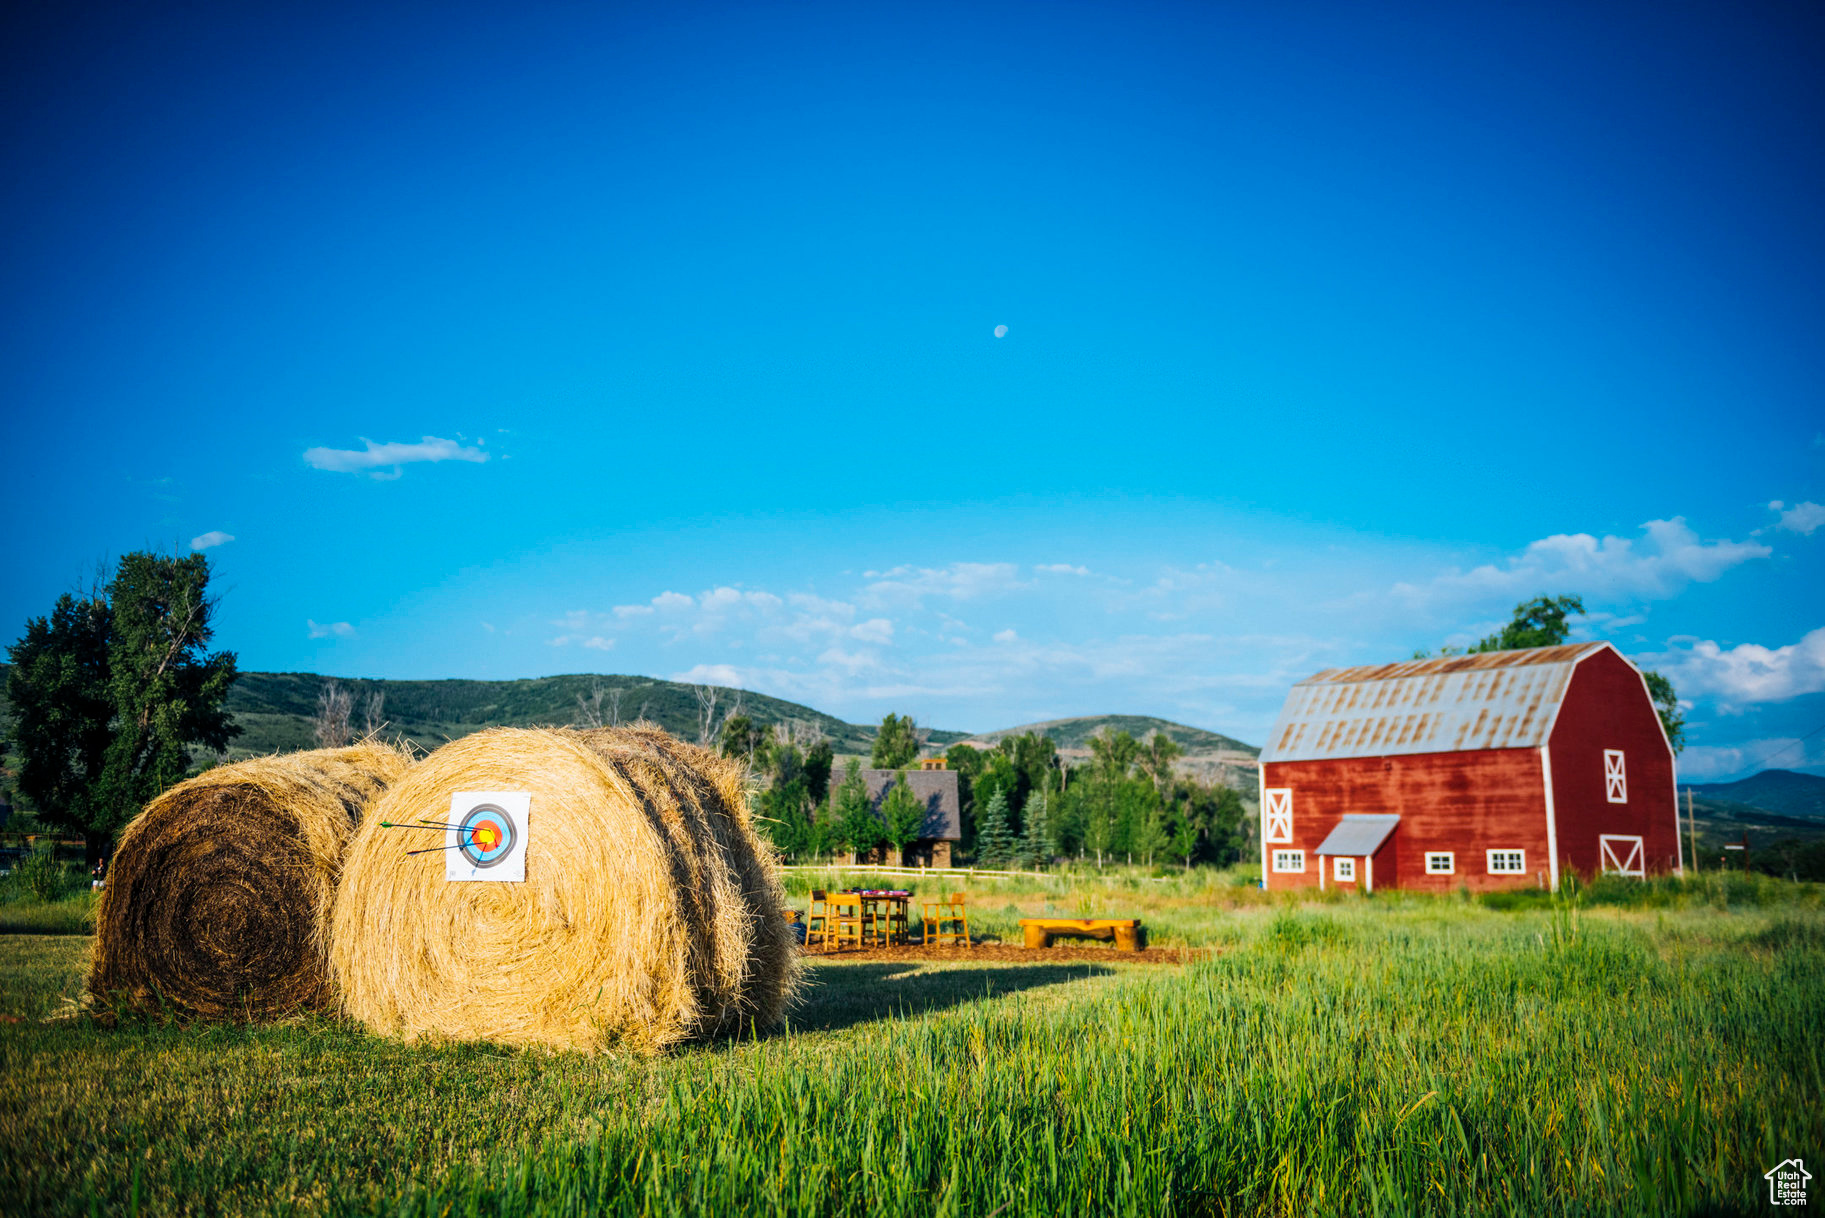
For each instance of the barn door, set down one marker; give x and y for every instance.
(1622, 855)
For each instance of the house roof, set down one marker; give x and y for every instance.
(1358, 833)
(938, 790)
(1493, 700)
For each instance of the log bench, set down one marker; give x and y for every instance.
(1128, 933)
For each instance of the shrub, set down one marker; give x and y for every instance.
(40, 874)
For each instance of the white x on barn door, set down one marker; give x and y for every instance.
(1279, 812)
(1615, 779)
(1622, 855)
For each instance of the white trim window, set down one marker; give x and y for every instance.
(1289, 862)
(1507, 862)
(1343, 870)
(1278, 811)
(1615, 777)
(1622, 854)
(1440, 862)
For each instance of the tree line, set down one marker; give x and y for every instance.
(112, 690)
(1022, 803)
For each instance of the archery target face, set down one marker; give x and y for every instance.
(490, 836)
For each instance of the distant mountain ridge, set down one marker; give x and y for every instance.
(1209, 756)
(1074, 733)
(1785, 792)
(275, 709)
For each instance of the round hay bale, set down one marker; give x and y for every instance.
(218, 897)
(649, 913)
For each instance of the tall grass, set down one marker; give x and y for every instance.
(1566, 1069)
(1414, 1056)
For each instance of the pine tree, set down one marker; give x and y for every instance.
(994, 839)
(1036, 846)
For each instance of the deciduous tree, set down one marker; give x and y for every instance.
(1536, 623)
(1666, 705)
(330, 725)
(854, 823)
(58, 686)
(168, 691)
(903, 815)
(113, 688)
(896, 743)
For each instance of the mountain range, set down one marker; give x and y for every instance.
(275, 711)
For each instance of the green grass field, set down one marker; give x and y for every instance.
(1650, 1049)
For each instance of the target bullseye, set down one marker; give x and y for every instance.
(488, 835)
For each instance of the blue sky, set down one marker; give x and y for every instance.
(663, 339)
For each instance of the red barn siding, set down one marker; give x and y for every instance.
(1607, 707)
(1465, 802)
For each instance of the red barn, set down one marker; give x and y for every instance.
(1499, 770)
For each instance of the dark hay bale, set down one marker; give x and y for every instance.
(219, 896)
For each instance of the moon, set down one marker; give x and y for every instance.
(1001, 331)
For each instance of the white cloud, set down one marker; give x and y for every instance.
(1006, 636)
(710, 674)
(384, 461)
(1704, 763)
(960, 581)
(214, 537)
(1747, 674)
(874, 630)
(597, 643)
(327, 630)
(672, 602)
(1801, 518)
(1667, 557)
(1061, 568)
(851, 662)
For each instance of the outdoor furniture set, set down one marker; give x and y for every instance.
(873, 917)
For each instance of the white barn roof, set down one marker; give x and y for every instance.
(1359, 833)
(1494, 700)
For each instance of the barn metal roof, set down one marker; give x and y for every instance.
(1493, 700)
(1359, 833)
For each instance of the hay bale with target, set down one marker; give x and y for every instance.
(571, 889)
(219, 894)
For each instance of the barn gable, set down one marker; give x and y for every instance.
(1493, 700)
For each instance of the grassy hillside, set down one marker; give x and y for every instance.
(1209, 756)
(274, 709)
(1781, 791)
(1073, 735)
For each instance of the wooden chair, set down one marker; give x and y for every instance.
(892, 927)
(817, 919)
(851, 921)
(950, 911)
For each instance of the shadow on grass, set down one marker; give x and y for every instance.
(842, 996)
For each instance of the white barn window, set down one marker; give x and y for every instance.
(1279, 813)
(1289, 861)
(1343, 870)
(1440, 862)
(1507, 862)
(1615, 777)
